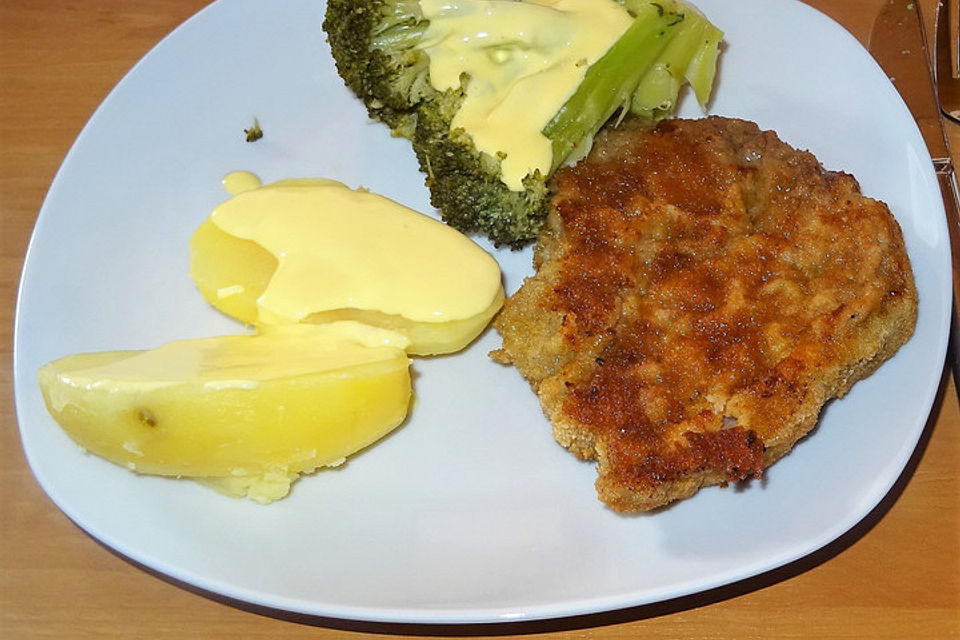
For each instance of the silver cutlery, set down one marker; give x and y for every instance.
(898, 42)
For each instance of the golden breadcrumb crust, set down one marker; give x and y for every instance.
(702, 289)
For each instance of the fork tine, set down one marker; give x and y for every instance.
(953, 35)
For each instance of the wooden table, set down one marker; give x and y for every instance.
(897, 575)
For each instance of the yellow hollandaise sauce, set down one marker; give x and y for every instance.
(236, 182)
(523, 61)
(315, 250)
(239, 361)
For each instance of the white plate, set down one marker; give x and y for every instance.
(470, 512)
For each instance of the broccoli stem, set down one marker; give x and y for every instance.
(400, 36)
(610, 82)
(395, 12)
(703, 66)
(656, 95)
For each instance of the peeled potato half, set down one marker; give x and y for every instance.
(245, 413)
(347, 255)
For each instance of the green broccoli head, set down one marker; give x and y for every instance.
(375, 46)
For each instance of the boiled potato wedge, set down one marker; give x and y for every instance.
(389, 254)
(245, 414)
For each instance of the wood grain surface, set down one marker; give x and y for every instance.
(896, 575)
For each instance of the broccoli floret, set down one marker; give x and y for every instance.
(375, 46)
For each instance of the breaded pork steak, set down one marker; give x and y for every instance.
(702, 289)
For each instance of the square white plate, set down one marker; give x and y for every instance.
(469, 512)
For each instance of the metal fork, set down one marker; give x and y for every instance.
(946, 59)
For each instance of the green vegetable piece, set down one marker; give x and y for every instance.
(254, 133)
(375, 46)
(610, 82)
